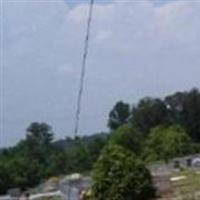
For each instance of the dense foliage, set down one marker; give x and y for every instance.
(118, 175)
(165, 143)
(38, 157)
(129, 138)
(154, 129)
(181, 108)
(119, 115)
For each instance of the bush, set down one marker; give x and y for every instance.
(118, 175)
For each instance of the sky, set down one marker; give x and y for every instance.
(137, 48)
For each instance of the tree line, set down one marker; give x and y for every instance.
(154, 129)
(39, 157)
(171, 125)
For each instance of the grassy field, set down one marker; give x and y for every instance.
(189, 187)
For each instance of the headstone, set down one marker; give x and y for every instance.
(14, 192)
(177, 164)
(189, 162)
(196, 163)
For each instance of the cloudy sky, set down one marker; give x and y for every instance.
(137, 48)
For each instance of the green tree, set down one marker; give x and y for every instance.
(119, 115)
(40, 133)
(165, 143)
(79, 157)
(38, 142)
(29, 161)
(37, 157)
(118, 175)
(149, 113)
(96, 145)
(184, 109)
(4, 177)
(25, 172)
(129, 138)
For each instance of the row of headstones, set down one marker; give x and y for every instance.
(188, 163)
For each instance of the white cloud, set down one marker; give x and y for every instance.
(173, 20)
(102, 36)
(67, 69)
(79, 14)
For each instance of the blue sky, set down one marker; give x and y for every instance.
(137, 48)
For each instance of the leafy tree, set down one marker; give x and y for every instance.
(165, 143)
(37, 157)
(79, 157)
(57, 163)
(25, 172)
(128, 137)
(40, 133)
(119, 115)
(118, 175)
(4, 177)
(29, 161)
(184, 109)
(96, 145)
(149, 113)
(38, 142)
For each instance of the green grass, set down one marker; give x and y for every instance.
(189, 187)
